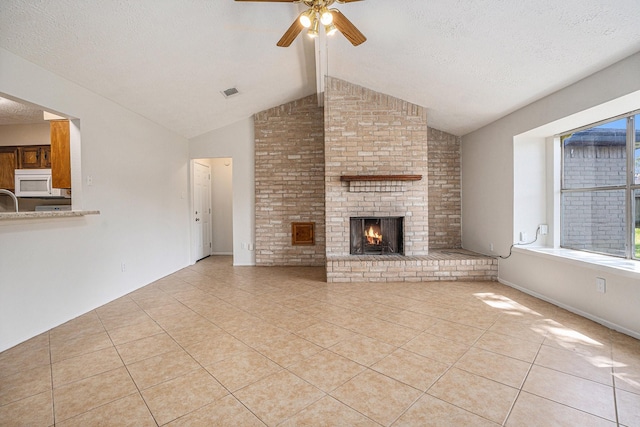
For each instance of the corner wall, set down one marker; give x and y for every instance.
(222, 206)
(494, 189)
(235, 141)
(57, 269)
(289, 174)
(444, 190)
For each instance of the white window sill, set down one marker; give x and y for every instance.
(604, 263)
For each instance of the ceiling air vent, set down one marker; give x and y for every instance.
(230, 92)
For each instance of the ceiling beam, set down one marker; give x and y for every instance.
(322, 65)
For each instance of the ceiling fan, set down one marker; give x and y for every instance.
(319, 13)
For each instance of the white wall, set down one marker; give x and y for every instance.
(237, 142)
(529, 160)
(506, 168)
(222, 206)
(27, 134)
(52, 271)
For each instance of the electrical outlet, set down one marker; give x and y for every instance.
(523, 236)
(123, 267)
(491, 247)
(243, 245)
(601, 285)
(89, 180)
(544, 229)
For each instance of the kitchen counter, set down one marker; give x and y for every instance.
(44, 215)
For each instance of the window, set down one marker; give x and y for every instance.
(601, 188)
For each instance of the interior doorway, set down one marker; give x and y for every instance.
(219, 234)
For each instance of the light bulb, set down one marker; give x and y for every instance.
(305, 18)
(330, 29)
(325, 16)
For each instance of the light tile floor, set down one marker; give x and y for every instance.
(246, 346)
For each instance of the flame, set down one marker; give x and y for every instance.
(373, 237)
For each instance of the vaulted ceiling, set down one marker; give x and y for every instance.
(469, 62)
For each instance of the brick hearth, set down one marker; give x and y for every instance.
(448, 265)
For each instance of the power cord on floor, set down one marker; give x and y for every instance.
(521, 244)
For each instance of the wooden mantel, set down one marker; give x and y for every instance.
(350, 178)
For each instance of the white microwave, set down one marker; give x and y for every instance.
(37, 183)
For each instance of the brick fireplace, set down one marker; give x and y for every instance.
(374, 136)
(365, 155)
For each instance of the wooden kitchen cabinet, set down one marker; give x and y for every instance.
(8, 165)
(34, 157)
(60, 154)
(56, 157)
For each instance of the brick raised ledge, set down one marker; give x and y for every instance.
(438, 265)
(349, 178)
(434, 255)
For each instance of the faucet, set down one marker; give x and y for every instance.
(13, 196)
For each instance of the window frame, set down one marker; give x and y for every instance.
(629, 187)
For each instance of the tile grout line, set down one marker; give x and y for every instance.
(190, 302)
(126, 367)
(613, 380)
(53, 400)
(426, 392)
(564, 404)
(187, 352)
(326, 394)
(524, 380)
(232, 393)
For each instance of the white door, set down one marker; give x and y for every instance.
(202, 210)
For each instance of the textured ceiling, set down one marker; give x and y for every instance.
(469, 62)
(12, 113)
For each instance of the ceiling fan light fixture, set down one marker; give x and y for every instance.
(330, 29)
(313, 31)
(325, 16)
(316, 12)
(306, 18)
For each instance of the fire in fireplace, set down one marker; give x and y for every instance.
(376, 236)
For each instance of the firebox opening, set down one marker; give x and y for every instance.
(376, 236)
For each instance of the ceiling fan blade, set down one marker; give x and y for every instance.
(347, 28)
(275, 1)
(347, 1)
(291, 34)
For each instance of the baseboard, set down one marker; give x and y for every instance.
(221, 253)
(574, 310)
